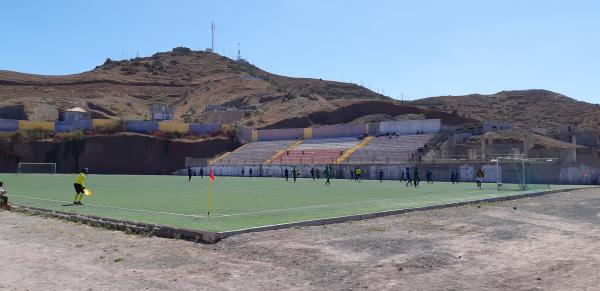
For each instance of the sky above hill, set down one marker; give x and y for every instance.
(413, 49)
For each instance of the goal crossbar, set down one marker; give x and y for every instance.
(41, 168)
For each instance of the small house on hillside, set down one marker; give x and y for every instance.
(76, 113)
(161, 112)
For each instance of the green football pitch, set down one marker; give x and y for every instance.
(237, 203)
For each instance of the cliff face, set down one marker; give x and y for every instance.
(117, 154)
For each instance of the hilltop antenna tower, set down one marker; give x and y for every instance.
(212, 29)
(239, 55)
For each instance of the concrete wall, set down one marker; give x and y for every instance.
(280, 134)
(411, 126)
(535, 174)
(171, 126)
(141, 126)
(36, 125)
(67, 126)
(10, 125)
(343, 130)
(244, 134)
(204, 128)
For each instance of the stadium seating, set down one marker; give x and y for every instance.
(317, 151)
(254, 153)
(390, 150)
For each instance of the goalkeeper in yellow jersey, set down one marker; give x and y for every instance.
(80, 187)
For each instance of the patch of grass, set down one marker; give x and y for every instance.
(237, 202)
(119, 259)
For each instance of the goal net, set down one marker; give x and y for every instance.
(36, 168)
(521, 174)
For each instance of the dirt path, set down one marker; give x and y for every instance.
(549, 242)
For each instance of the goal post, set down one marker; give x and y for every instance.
(36, 168)
(521, 174)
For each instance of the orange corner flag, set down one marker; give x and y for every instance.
(212, 175)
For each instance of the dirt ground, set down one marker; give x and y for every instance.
(550, 242)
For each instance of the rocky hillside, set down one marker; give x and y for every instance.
(188, 80)
(526, 108)
(191, 80)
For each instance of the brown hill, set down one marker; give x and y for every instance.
(187, 80)
(191, 80)
(525, 108)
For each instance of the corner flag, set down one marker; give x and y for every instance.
(211, 177)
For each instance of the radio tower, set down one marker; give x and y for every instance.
(239, 55)
(212, 29)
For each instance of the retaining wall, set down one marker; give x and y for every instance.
(66, 126)
(172, 126)
(141, 126)
(36, 125)
(411, 126)
(9, 125)
(345, 130)
(204, 128)
(280, 134)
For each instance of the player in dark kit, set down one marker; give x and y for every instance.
(429, 176)
(286, 173)
(201, 172)
(243, 171)
(380, 175)
(327, 176)
(250, 172)
(312, 173)
(294, 174)
(416, 177)
(408, 179)
(190, 174)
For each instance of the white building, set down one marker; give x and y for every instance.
(76, 113)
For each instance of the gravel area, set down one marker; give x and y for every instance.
(550, 242)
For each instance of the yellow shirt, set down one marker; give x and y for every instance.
(80, 179)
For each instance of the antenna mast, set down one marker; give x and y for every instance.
(239, 55)
(212, 29)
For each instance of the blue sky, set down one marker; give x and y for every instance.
(416, 48)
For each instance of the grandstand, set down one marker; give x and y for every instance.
(391, 150)
(317, 151)
(253, 153)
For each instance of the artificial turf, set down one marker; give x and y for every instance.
(237, 203)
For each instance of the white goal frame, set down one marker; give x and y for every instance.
(52, 167)
(522, 163)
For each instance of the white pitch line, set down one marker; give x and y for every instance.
(112, 207)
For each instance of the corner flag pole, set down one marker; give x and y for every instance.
(209, 197)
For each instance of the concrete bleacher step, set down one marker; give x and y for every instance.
(351, 150)
(280, 152)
